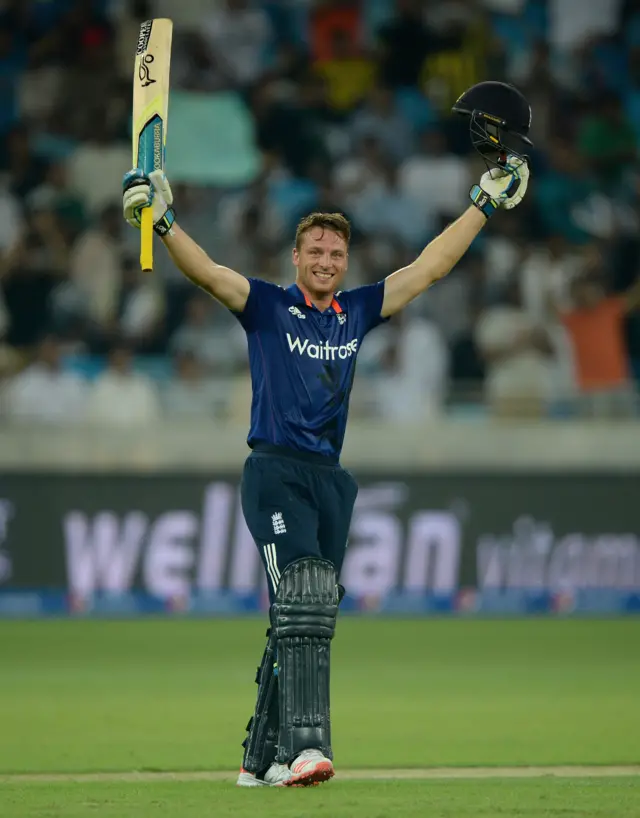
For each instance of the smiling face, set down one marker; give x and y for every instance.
(321, 255)
(321, 261)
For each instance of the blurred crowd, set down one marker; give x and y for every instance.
(281, 107)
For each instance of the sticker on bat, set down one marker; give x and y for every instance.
(143, 71)
(144, 36)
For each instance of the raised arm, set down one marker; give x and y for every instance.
(497, 189)
(225, 285)
(437, 259)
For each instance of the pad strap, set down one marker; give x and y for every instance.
(261, 742)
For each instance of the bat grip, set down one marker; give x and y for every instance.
(146, 239)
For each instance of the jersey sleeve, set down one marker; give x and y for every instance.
(366, 302)
(260, 304)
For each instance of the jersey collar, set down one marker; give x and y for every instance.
(301, 298)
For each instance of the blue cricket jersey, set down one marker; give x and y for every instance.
(303, 362)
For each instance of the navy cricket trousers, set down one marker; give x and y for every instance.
(295, 505)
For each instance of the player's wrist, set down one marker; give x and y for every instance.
(164, 225)
(483, 201)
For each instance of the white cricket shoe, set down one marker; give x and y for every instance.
(309, 768)
(277, 775)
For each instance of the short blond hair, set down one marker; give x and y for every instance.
(335, 222)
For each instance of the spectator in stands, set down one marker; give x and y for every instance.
(517, 355)
(331, 17)
(249, 227)
(546, 274)
(10, 358)
(361, 173)
(104, 147)
(44, 392)
(328, 199)
(190, 394)
(11, 217)
(86, 41)
(607, 142)
(56, 194)
(533, 72)
(504, 249)
(13, 61)
(141, 309)
(31, 271)
(291, 65)
(209, 333)
(387, 211)
(596, 327)
(239, 36)
(284, 128)
(632, 95)
(121, 397)
(563, 193)
(571, 24)
(325, 124)
(462, 51)
(348, 71)
(630, 21)
(378, 255)
(438, 181)
(18, 158)
(193, 64)
(248, 246)
(381, 118)
(4, 317)
(454, 308)
(403, 44)
(413, 384)
(96, 269)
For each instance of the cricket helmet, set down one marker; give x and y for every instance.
(499, 120)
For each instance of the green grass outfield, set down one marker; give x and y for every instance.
(98, 697)
(575, 798)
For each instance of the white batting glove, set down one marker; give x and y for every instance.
(140, 191)
(501, 187)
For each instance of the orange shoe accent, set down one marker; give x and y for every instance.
(310, 773)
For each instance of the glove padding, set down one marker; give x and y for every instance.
(140, 191)
(503, 187)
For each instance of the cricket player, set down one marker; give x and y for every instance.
(303, 342)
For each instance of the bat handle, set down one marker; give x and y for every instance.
(146, 239)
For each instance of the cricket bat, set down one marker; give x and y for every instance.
(150, 109)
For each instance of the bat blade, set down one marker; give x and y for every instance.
(150, 111)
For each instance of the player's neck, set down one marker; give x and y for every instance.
(320, 300)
